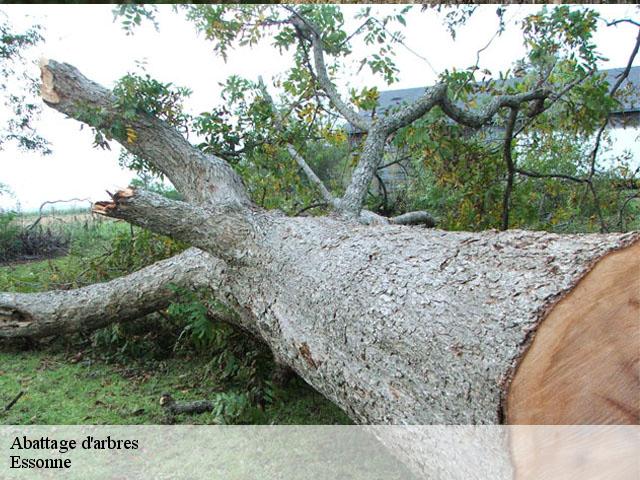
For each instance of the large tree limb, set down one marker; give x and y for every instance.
(438, 96)
(418, 217)
(325, 82)
(200, 178)
(125, 298)
(223, 231)
(356, 191)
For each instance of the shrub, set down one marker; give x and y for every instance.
(19, 243)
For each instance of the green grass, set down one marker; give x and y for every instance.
(80, 381)
(61, 390)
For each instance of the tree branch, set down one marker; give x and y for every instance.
(372, 153)
(224, 231)
(51, 202)
(437, 96)
(412, 112)
(375, 142)
(554, 98)
(508, 160)
(623, 20)
(200, 178)
(311, 175)
(311, 34)
(345, 110)
(123, 299)
(562, 176)
(477, 119)
(419, 217)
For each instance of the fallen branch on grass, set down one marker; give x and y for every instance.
(51, 202)
(177, 408)
(14, 401)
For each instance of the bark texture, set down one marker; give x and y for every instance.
(200, 178)
(127, 298)
(395, 325)
(226, 231)
(403, 326)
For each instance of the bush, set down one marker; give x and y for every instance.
(9, 232)
(23, 243)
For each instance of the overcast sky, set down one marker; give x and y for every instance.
(87, 37)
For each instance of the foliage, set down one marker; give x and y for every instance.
(243, 129)
(9, 232)
(134, 249)
(132, 15)
(457, 173)
(18, 88)
(236, 357)
(136, 94)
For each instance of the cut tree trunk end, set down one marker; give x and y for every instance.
(583, 366)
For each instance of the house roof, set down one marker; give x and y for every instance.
(389, 99)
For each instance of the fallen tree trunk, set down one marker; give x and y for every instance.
(399, 326)
(394, 324)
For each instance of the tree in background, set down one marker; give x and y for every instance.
(547, 171)
(17, 90)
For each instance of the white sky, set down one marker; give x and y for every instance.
(87, 37)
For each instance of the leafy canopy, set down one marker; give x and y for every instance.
(458, 174)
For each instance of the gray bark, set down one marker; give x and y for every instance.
(225, 231)
(398, 325)
(393, 324)
(323, 77)
(418, 217)
(200, 178)
(148, 290)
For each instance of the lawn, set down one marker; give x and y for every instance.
(61, 387)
